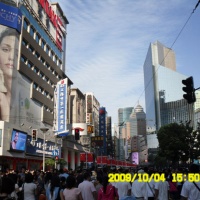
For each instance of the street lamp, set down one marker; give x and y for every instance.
(44, 130)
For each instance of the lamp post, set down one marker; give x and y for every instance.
(44, 130)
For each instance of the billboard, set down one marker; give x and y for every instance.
(18, 140)
(135, 158)
(61, 106)
(36, 148)
(10, 17)
(96, 141)
(9, 48)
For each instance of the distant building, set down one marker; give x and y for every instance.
(123, 117)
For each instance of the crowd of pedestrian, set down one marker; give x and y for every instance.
(94, 185)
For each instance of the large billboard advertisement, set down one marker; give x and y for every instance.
(37, 149)
(9, 48)
(60, 96)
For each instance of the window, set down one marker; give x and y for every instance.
(36, 70)
(43, 44)
(42, 60)
(41, 74)
(32, 31)
(47, 49)
(35, 85)
(47, 65)
(31, 49)
(24, 42)
(37, 55)
(30, 64)
(37, 38)
(26, 24)
(23, 59)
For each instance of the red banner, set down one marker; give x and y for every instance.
(86, 157)
(82, 157)
(102, 160)
(89, 157)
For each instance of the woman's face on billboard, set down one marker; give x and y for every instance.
(9, 55)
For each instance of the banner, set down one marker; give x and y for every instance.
(60, 95)
(10, 17)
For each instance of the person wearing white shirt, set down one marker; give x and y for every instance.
(139, 188)
(162, 190)
(190, 190)
(87, 188)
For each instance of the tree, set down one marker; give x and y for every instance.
(174, 142)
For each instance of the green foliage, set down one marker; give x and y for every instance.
(50, 162)
(174, 142)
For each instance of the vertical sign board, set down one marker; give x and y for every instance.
(102, 128)
(61, 106)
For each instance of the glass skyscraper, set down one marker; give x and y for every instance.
(163, 85)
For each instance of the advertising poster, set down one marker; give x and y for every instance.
(135, 158)
(18, 141)
(10, 29)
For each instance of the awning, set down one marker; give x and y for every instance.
(62, 134)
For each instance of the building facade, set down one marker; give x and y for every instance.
(159, 69)
(123, 117)
(38, 64)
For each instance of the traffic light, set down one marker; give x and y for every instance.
(77, 134)
(34, 134)
(56, 158)
(189, 89)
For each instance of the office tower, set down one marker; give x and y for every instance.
(123, 117)
(163, 85)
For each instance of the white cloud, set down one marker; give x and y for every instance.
(107, 42)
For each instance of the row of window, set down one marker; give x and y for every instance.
(42, 43)
(40, 58)
(41, 74)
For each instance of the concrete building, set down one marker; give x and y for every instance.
(38, 65)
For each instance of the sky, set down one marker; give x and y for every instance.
(107, 43)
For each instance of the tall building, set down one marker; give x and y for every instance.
(123, 117)
(163, 85)
(197, 103)
(92, 112)
(138, 134)
(36, 37)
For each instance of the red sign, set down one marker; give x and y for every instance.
(55, 19)
(86, 157)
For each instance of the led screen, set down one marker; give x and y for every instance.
(18, 140)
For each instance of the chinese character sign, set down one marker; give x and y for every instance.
(61, 106)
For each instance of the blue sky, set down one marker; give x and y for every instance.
(107, 42)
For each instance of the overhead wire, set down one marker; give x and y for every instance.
(170, 48)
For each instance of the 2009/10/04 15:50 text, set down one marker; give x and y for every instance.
(156, 177)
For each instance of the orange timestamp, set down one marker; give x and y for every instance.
(121, 177)
(181, 177)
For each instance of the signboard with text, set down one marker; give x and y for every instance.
(61, 106)
(97, 141)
